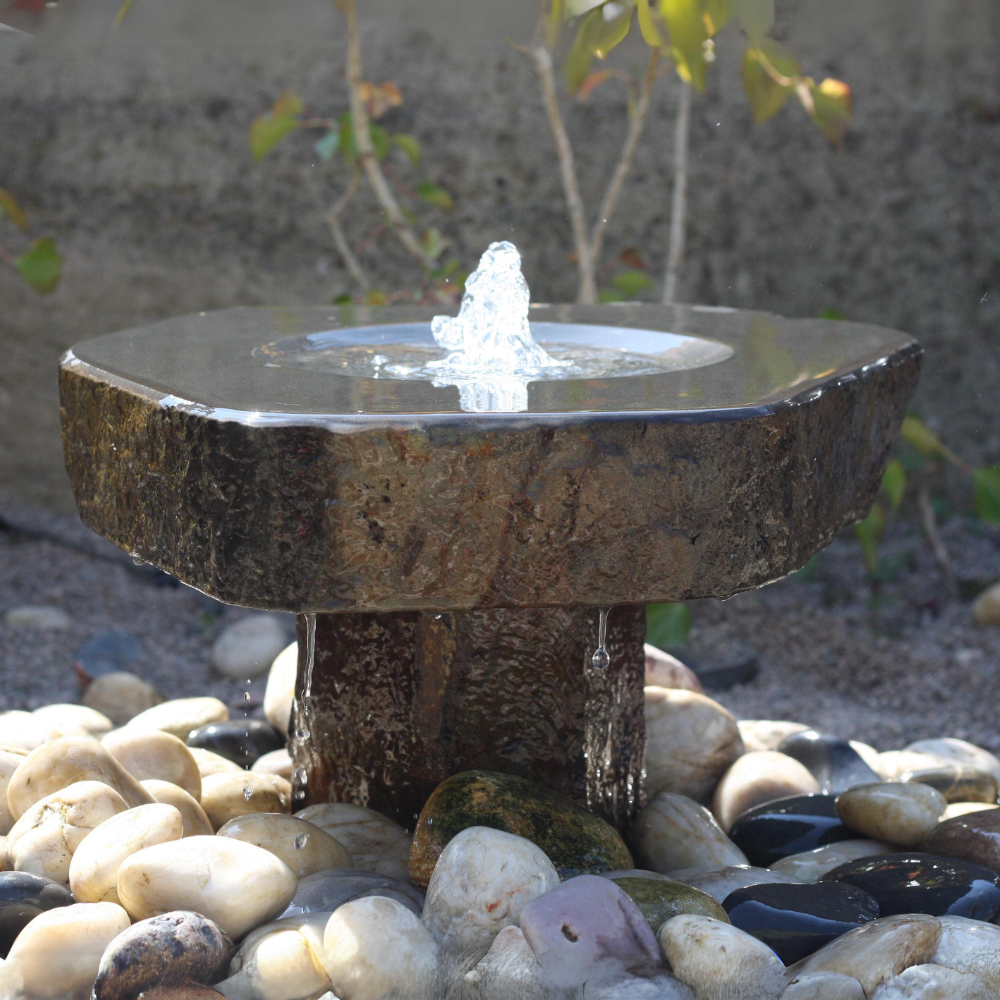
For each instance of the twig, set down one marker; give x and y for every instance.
(351, 262)
(934, 537)
(366, 151)
(636, 126)
(678, 203)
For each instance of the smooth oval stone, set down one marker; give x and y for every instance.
(241, 741)
(11, 759)
(155, 755)
(757, 778)
(72, 720)
(374, 840)
(961, 752)
(58, 954)
(770, 832)
(575, 840)
(280, 691)
(211, 763)
(661, 987)
(767, 734)
(276, 762)
(876, 951)
(120, 696)
(823, 986)
(898, 814)
(375, 948)
(226, 796)
(165, 950)
(659, 898)
(183, 991)
(871, 757)
(481, 883)
(196, 822)
(326, 891)
(956, 783)
(43, 840)
(64, 762)
(797, 919)
(718, 960)
(21, 729)
(986, 607)
(93, 872)
(973, 837)
(239, 886)
(22, 897)
(932, 982)
(180, 716)
(690, 742)
(283, 959)
(970, 946)
(811, 865)
(248, 647)
(833, 762)
(720, 882)
(924, 883)
(666, 671)
(509, 969)
(305, 848)
(587, 929)
(962, 808)
(675, 832)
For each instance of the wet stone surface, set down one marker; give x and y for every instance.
(325, 891)
(797, 920)
(974, 837)
(956, 782)
(924, 883)
(833, 762)
(241, 741)
(22, 897)
(660, 898)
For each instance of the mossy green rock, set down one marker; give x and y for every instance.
(661, 898)
(576, 841)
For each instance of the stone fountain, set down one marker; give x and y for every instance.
(469, 515)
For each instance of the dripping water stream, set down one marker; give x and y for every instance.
(601, 659)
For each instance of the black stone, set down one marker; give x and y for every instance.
(22, 897)
(956, 783)
(241, 741)
(772, 831)
(328, 890)
(833, 762)
(924, 883)
(794, 920)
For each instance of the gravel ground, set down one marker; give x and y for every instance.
(886, 663)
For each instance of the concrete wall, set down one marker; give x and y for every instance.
(130, 148)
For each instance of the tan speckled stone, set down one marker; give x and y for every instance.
(156, 754)
(893, 812)
(374, 841)
(213, 763)
(180, 715)
(120, 696)
(72, 720)
(196, 822)
(305, 848)
(226, 796)
(756, 778)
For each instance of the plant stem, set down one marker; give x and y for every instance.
(636, 126)
(934, 537)
(678, 203)
(351, 262)
(366, 151)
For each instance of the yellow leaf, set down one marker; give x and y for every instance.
(595, 37)
(647, 26)
(266, 132)
(716, 15)
(688, 35)
(831, 108)
(13, 211)
(380, 97)
(769, 73)
(287, 105)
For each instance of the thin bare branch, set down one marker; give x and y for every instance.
(678, 203)
(636, 125)
(929, 525)
(366, 151)
(351, 262)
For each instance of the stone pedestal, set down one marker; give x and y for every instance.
(395, 703)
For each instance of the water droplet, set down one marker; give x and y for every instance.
(301, 840)
(138, 560)
(601, 659)
(247, 792)
(300, 776)
(246, 695)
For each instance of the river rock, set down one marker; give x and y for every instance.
(720, 882)
(196, 822)
(21, 730)
(718, 960)
(773, 831)
(675, 832)
(326, 891)
(797, 919)
(42, 617)
(211, 763)
(226, 796)
(43, 840)
(57, 956)
(280, 691)
(823, 986)
(924, 883)
(276, 762)
(877, 951)
(508, 971)
(376, 949)
(180, 716)
(482, 881)
(894, 763)
(833, 762)
(973, 837)
(183, 991)
(896, 813)
(282, 960)
(67, 761)
(810, 866)
(240, 740)
(962, 808)
(22, 897)
(756, 778)
(586, 930)
(575, 840)
(93, 871)
(986, 607)
(660, 987)
(932, 982)
(11, 758)
(690, 741)
(660, 898)
(120, 696)
(956, 782)
(166, 950)
(960, 752)
(374, 841)
(666, 671)
(767, 734)
(72, 720)
(305, 848)
(248, 647)
(970, 946)
(156, 755)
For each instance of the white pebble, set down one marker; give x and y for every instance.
(155, 755)
(305, 848)
(226, 796)
(37, 616)
(248, 647)
(893, 812)
(932, 982)
(120, 696)
(277, 762)
(280, 691)
(72, 720)
(376, 843)
(180, 715)
(756, 778)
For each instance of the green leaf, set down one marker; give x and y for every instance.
(380, 141)
(688, 35)
(122, 12)
(916, 433)
(610, 295)
(434, 195)
(268, 130)
(756, 16)
(288, 104)
(986, 482)
(327, 145)
(595, 37)
(631, 283)
(434, 243)
(41, 265)
(410, 145)
(348, 144)
(667, 625)
(831, 314)
(343, 299)
(894, 483)
(831, 108)
(717, 15)
(767, 96)
(13, 211)
(869, 533)
(647, 25)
